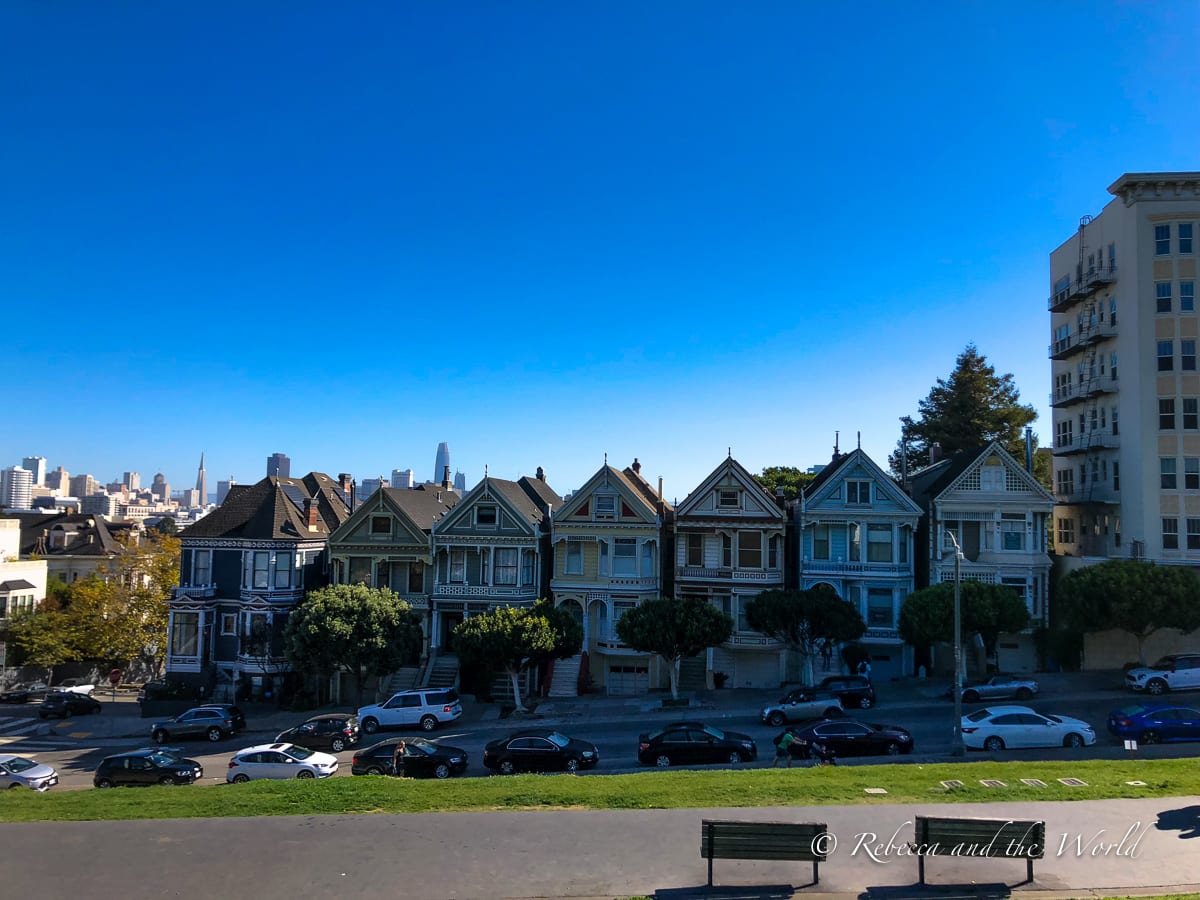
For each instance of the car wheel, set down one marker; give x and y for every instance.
(214, 734)
(304, 773)
(1156, 686)
(441, 771)
(1024, 694)
(166, 781)
(428, 723)
(993, 743)
(337, 745)
(241, 778)
(507, 767)
(160, 737)
(1150, 737)
(777, 719)
(662, 760)
(865, 703)
(892, 749)
(970, 697)
(374, 770)
(13, 786)
(572, 765)
(104, 783)
(370, 725)
(832, 713)
(1073, 740)
(735, 757)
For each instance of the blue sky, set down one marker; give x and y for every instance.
(545, 231)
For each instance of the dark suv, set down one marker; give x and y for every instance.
(332, 731)
(855, 691)
(145, 767)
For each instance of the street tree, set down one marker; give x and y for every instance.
(45, 637)
(367, 631)
(512, 638)
(805, 621)
(989, 610)
(674, 629)
(1131, 596)
(966, 411)
(791, 479)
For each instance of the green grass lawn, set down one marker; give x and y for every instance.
(654, 789)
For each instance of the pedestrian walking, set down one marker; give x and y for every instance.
(783, 749)
(398, 759)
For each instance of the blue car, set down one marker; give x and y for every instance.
(1155, 724)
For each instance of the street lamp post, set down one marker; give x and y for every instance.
(957, 748)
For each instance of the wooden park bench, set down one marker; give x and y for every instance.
(801, 841)
(979, 838)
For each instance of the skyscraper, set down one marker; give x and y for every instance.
(460, 482)
(202, 482)
(403, 478)
(36, 465)
(159, 488)
(223, 489)
(16, 488)
(441, 462)
(80, 485)
(59, 480)
(279, 465)
(131, 480)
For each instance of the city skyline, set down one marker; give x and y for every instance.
(547, 235)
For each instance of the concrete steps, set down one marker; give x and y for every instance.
(565, 680)
(444, 673)
(693, 673)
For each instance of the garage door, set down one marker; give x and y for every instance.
(757, 670)
(628, 680)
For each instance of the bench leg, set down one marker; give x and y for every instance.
(921, 869)
(710, 871)
(816, 874)
(1029, 870)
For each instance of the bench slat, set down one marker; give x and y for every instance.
(945, 836)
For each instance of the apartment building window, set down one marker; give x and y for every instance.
(574, 564)
(1162, 240)
(1112, 255)
(486, 516)
(726, 551)
(283, 570)
(727, 500)
(1191, 413)
(1166, 413)
(1065, 436)
(1187, 356)
(458, 566)
(879, 543)
(527, 561)
(1167, 466)
(820, 549)
(1116, 475)
(1094, 422)
(1066, 481)
(1082, 475)
(858, 492)
(749, 549)
(1187, 296)
(1162, 296)
(1166, 356)
(1191, 473)
(1170, 534)
(1193, 534)
(185, 634)
(1185, 237)
(1112, 367)
(695, 549)
(201, 567)
(1066, 531)
(1116, 531)
(1103, 417)
(879, 608)
(1112, 311)
(1095, 470)
(1116, 427)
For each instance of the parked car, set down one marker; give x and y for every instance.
(76, 686)
(67, 704)
(332, 731)
(1155, 724)
(1005, 727)
(234, 713)
(539, 750)
(998, 687)
(850, 737)
(801, 704)
(145, 767)
(428, 708)
(1176, 672)
(855, 691)
(279, 761)
(213, 723)
(422, 759)
(23, 693)
(20, 771)
(684, 743)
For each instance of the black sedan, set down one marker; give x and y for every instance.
(333, 732)
(685, 743)
(67, 704)
(539, 750)
(421, 759)
(23, 693)
(849, 737)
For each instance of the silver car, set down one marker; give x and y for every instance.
(998, 687)
(802, 704)
(20, 771)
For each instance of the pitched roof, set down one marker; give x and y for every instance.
(273, 509)
(541, 492)
(424, 503)
(93, 535)
(16, 584)
(927, 483)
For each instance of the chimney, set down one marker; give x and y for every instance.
(310, 514)
(780, 499)
(541, 474)
(446, 482)
(935, 452)
(659, 487)
(345, 481)
(637, 467)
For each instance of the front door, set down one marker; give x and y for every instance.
(450, 621)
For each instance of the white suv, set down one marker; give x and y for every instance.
(428, 708)
(1177, 672)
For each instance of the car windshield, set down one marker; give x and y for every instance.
(163, 759)
(423, 745)
(715, 732)
(20, 764)
(1131, 710)
(1056, 719)
(1164, 665)
(979, 715)
(298, 752)
(558, 740)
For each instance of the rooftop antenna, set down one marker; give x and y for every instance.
(729, 450)
(836, 435)
(860, 440)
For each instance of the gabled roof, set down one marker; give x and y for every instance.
(94, 535)
(422, 504)
(527, 500)
(273, 509)
(730, 466)
(629, 483)
(842, 463)
(931, 482)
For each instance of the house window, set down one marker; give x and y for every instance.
(903, 544)
(820, 548)
(991, 477)
(750, 549)
(1191, 473)
(1066, 531)
(1065, 433)
(879, 543)
(201, 567)
(1193, 534)
(773, 552)
(727, 500)
(574, 557)
(647, 559)
(742, 624)
(854, 536)
(283, 570)
(228, 624)
(458, 566)
(1166, 354)
(879, 608)
(505, 569)
(625, 556)
(724, 603)
(1116, 475)
(606, 506)
(1162, 296)
(858, 492)
(726, 551)
(416, 578)
(1170, 534)
(1185, 237)
(1066, 481)
(1187, 296)
(185, 634)
(695, 549)
(603, 564)
(1012, 531)
(1166, 414)
(1191, 413)
(1166, 472)
(381, 526)
(485, 516)
(1162, 240)
(527, 560)
(262, 570)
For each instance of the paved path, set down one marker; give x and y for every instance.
(584, 854)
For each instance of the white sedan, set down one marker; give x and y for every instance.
(1002, 727)
(279, 761)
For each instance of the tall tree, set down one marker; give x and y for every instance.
(511, 638)
(1132, 596)
(368, 631)
(46, 637)
(968, 410)
(989, 610)
(674, 629)
(791, 479)
(805, 620)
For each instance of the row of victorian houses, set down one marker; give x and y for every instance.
(611, 545)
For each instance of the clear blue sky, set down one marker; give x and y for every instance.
(545, 231)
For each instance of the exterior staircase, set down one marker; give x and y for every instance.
(404, 679)
(692, 673)
(565, 680)
(502, 691)
(444, 672)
